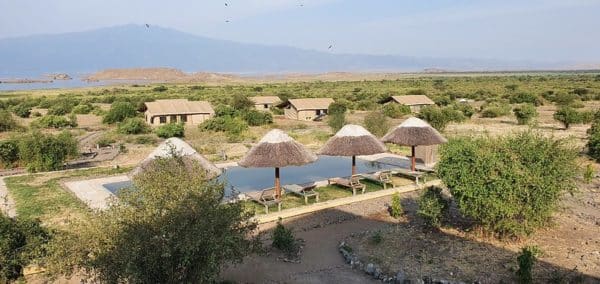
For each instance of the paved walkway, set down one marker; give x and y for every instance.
(7, 203)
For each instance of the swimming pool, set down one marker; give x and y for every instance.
(252, 179)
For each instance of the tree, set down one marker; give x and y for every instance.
(432, 206)
(255, 117)
(241, 102)
(21, 243)
(9, 152)
(377, 123)
(46, 152)
(22, 110)
(524, 113)
(336, 116)
(523, 97)
(54, 121)
(170, 130)
(508, 185)
(118, 112)
(567, 116)
(593, 134)
(439, 117)
(336, 108)
(171, 227)
(133, 125)
(394, 110)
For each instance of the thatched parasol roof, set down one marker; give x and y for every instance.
(179, 147)
(413, 132)
(276, 150)
(352, 140)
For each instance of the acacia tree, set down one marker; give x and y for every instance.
(508, 185)
(171, 227)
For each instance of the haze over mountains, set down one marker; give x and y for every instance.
(138, 46)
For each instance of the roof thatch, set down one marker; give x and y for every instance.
(310, 103)
(411, 100)
(413, 132)
(261, 100)
(352, 140)
(276, 150)
(178, 146)
(178, 106)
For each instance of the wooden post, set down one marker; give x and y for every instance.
(353, 165)
(277, 183)
(413, 158)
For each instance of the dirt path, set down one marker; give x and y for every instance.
(7, 204)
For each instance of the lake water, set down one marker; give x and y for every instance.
(252, 179)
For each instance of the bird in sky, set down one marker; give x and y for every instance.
(330, 46)
(226, 5)
(147, 26)
(226, 21)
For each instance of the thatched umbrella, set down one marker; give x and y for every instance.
(175, 146)
(414, 132)
(352, 140)
(276, 149)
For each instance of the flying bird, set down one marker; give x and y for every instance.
(226, 5)
(226, 21)
(330, 46)
(147, 26)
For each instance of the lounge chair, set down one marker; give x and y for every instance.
(267, 197)
(407, 172)
(384, 178)
(352, 183)
(305, 190)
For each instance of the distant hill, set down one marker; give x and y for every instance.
(133, 46)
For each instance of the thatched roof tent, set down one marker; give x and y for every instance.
(352, 140)
(413, 132)
(411, 100)
(188, 154)
(276, 150)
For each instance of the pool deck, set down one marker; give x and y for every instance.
(92, 192)
(306, 209)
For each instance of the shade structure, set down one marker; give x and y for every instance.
(277, 150)
(352, 140)
(188, 154)
(414, 132)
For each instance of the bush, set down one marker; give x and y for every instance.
(336, 121)
(593, 143)
(22, 110)
(589, 173)
(46, 152)
(61, 107)
(524, 113)
(394, 110)
(564, 99)
(568, 115)
(54, 121)
(145, 139)
(7, 122)
(336, 108)
(22, 242)
(83, 109)
(133, 126)
(170, 130)
(255, 117)
(432, 206)
(227, 124)
(396, 208)
(105, 141)
(241, 102)
(224, 110)
(283, 239)
(494, 110)
(439, 117)
(160, 88)
(118, 112)
(377, 238)
(9, 153)
(466, 109)
(522, 98)
(508, 185)
(377, 123)
(526, 260)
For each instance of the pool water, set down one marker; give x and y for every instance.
(252, 179)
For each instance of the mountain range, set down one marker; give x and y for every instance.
(132, 46)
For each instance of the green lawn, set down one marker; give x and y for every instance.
(42, 196)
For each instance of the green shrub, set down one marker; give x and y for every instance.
(396, 207)
(494, 110)
(61, 107)
(525, 113)
(145, 139)
(283, 239)
(241, 102)
(21, 243)
(54, 121)
(227, 124)
(118, 112)
(105, 141)
(564, 99)
(526, 261)
(377, 238)
(568, 115)
(508, 185)
(589, 173)
(377, 123)
(336, 121)
(7, 122)
(133, 126)
(170, 130)
(224, 110)
(277, 111)
(432, 206)
(439, 117)
(255, 117)
(9, 153)
(466, 109)
(522, 98)
(593, 143)
(83, 109)
(160, 88)
(337, 108)
(22, 110)
(46, 152)
(394, 110)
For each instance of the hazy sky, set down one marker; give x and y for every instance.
(547, 30)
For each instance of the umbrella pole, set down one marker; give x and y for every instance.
(413, 159)
(353, 165)
(277, 183)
